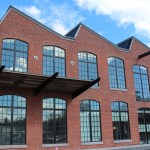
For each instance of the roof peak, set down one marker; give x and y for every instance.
(71, 35)
(35, 21)
(126, 44)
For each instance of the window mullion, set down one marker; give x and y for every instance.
(141, 84)
(53, 59)
(14, 56)
(145, 127)
(90, 122)
(11, 128)
(54, 122)
(120, 123)
(116, 74)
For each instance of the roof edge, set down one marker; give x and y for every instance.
(131, 37)
(100, 36)
(73, 29)
(141, 43)
(35, 21)
(134, 38)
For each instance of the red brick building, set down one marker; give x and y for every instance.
(77, 91)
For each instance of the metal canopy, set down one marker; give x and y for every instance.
(44, 84)
(84, 88)
(144, 55)
(39, 82)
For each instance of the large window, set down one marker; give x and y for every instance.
(87, 66)
(116, 73)
(90, 121)
(120, 119)
(54, 121)
(144, 125)
(141, 82)
(12, 120)
(54, 61)
(15, 55)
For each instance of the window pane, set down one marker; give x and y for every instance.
(87, 66)
(83, 72)
(54, 61)
(141, 82)
(54, 121)
(116, 73)
(144, 125)
(120, 119)
(82, 56)
(14, 55)
(21, 62)
(21, 46)
(12, 120)
(90, 121)
(8, 59)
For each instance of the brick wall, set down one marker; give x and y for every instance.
(18, 27)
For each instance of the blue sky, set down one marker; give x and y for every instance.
(116, 20)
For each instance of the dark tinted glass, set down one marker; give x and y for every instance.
(144, 125)
(120, 119)
(12, 120)
(54, 121)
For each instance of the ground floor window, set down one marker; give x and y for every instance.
(12, 120)
(120, 119)
(144, 125)
(90, 121)
(54, 121)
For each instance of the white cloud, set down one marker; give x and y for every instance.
(61, 17)
(124, 12)
(59, 27)
(34, 12)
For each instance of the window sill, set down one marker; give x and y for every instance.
(12, 146)
(143, 100)
(92, 143)
(116, 89)
(54, 145)
(122, 141)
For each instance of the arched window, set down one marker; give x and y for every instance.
(141, 82)
(54, 61)
(116, 73)
(54, 121)
(144, 125)
(12, 120)
(15, 55)
(120, 119)
(87, 66)
(90, 121)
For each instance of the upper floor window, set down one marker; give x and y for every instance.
(12, 120)
(120, 119)
(141, 82)
(116, 73)
(15, 55)
(54, 121)
(87, 66)
(54, 61)
(90, 121)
